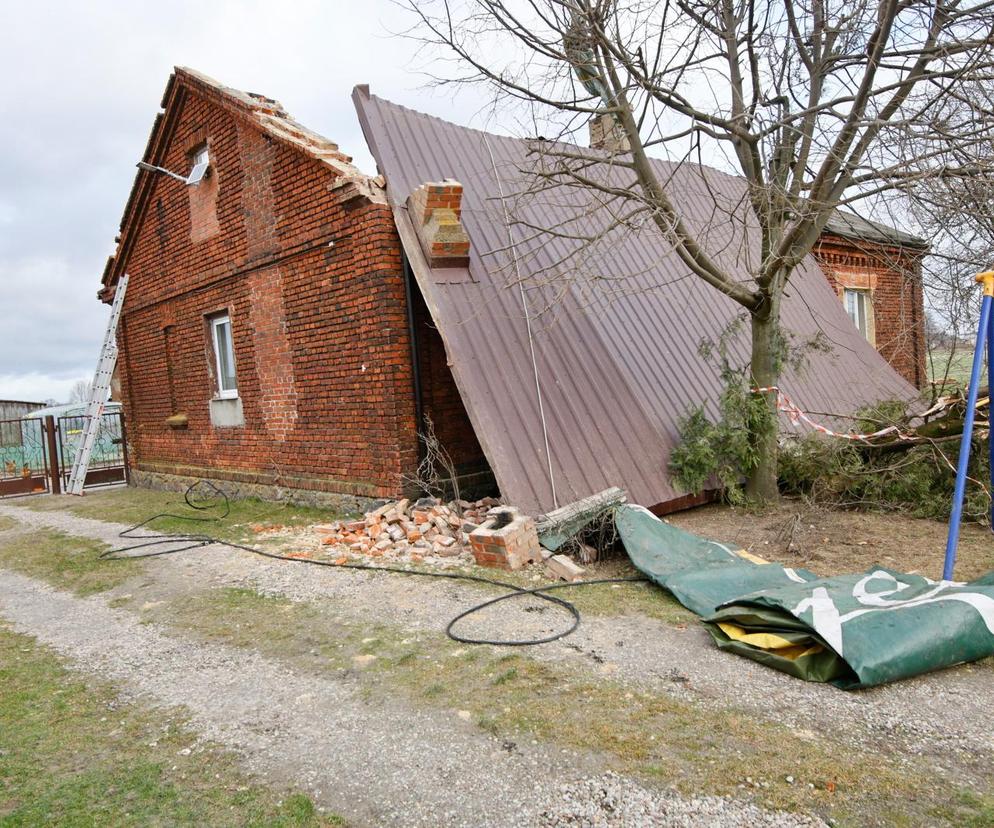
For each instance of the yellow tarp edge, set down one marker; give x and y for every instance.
(769, 641)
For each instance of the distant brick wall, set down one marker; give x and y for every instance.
(892, 276)
(441, 399)
(320, 332)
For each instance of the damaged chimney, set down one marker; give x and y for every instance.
(435, 210)
(606, 134)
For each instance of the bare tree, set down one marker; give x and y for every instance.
(436, 473)
(957, 215)
(814, 103)
(80, 392)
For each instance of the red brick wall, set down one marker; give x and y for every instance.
(893, 278)
(320, 332)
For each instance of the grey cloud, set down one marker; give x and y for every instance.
(82, 86)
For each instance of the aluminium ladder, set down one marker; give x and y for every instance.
(99, 391)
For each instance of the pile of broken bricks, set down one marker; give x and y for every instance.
(496, 535)
(402, 527)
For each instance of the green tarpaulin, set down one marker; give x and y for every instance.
(851, 630)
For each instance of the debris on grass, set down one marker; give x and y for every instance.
(410, 530)
(426, 531)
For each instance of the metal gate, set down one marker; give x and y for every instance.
(36, 455)
(24, 456)
(109, 460)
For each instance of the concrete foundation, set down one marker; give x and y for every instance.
(275, 493)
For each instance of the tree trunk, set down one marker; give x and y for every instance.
(762, 483)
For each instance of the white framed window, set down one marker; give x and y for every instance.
(860, 310)
(201, 161)
(224, 356)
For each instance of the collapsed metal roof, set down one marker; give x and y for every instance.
(614, 331)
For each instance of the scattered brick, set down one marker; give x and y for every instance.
(563, 568)
(507, 540)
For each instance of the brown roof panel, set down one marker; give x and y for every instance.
(615, 331)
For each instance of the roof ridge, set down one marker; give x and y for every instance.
(249, 100)
(272, 117)
(363, 90)
(899, 237)
(894, 236)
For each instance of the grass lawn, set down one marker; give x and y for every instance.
(952, 365)
(65, 561)
(130, 505)
(71, 755)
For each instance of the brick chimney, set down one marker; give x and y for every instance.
(435, 209)
(606, 134)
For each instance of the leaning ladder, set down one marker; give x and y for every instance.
(98, 394)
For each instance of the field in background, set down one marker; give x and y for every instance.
(952, 364)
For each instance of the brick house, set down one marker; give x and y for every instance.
(265, 336)
(877, 272)
(274, 336)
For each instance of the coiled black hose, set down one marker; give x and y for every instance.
(204, 496)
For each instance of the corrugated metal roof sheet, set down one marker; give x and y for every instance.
(616, 339)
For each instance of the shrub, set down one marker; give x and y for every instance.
(918, 480)
(722, 453)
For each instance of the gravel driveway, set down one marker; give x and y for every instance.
(373, 763)
(645, 652)
(417, 767)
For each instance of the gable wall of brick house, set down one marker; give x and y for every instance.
(891, 277)
(313, 285)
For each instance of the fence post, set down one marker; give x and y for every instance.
(124, 449)
(53, 455)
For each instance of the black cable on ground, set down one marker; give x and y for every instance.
(205, 496)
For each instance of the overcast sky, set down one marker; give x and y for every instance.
(82, 84)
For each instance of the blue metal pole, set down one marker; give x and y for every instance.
(964, 445)
(990, 403)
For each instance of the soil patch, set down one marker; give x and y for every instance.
(831, 542)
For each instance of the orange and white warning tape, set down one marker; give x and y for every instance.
(796, 415)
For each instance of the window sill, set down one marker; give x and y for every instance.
(226, 412)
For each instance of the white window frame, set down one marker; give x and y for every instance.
(217, 322)
(861, 300)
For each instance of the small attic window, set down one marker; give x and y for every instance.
(201, 163)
